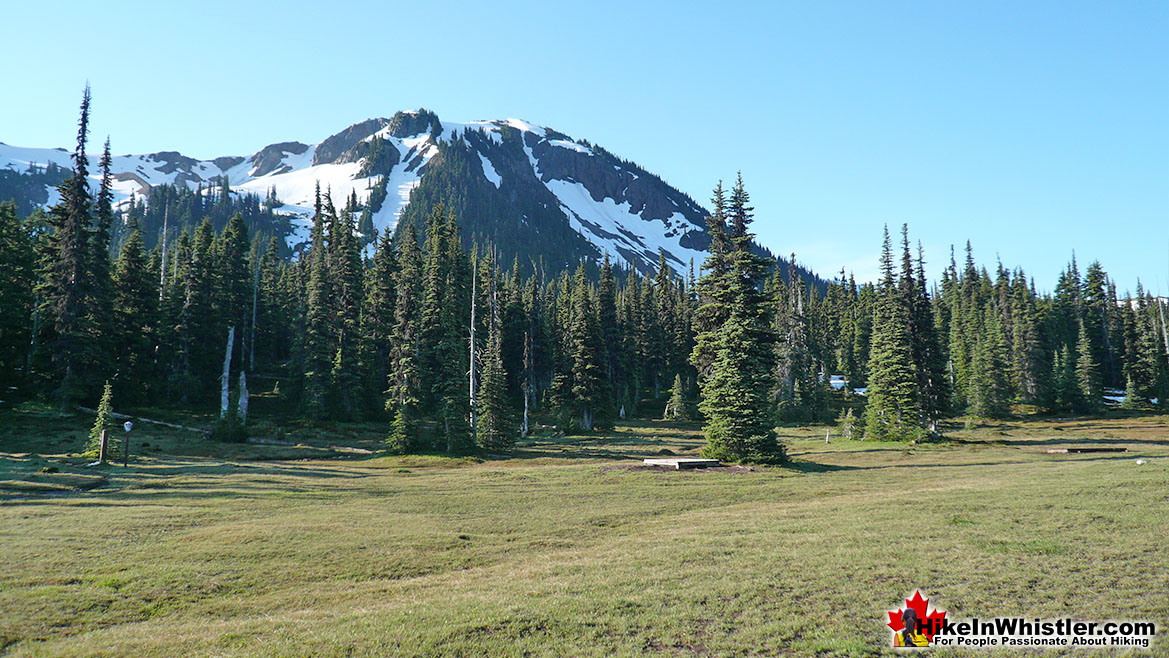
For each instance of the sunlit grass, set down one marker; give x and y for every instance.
(215, 549)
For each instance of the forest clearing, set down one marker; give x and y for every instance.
(566, 546)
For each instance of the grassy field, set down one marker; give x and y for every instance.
(562, 548)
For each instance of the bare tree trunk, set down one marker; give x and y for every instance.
(524, 425)
(527, 383)
(252, 342)
(102, 454)
(162, 263)
(226, 372)
(474, 418)
(243, 396)
(1164, 328)
(36, 328)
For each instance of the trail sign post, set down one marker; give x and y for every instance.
(126, 452)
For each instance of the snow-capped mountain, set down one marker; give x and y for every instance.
(542, 193)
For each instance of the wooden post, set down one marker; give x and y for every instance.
(103, 452)
(126, 452)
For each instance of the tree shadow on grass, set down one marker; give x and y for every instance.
(1072, 441)
(565, 451)
(802, 466)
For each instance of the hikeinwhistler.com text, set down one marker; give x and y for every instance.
(1040, 633)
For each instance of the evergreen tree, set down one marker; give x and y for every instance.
(275, 312)
(377, 324)
(990, 388)
(713, 287)
(16, 299)
(1066, 390)
(135, 315)
(104, 422)
(317, 361)
(676, 408)
(736, 392)
(588, 382)
(1088, 374)
(444, 331)
(1027, 351)
(405, 386)
(67, 345)
(347, 285)
(99, 305)
(493, 427)
(891, 412)
(929, 361)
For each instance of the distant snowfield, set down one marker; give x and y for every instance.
(610, 226)
(616, 229)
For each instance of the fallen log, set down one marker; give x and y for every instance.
(1064, 451)
(201, 430)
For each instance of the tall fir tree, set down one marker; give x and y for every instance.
(377, 324)
(317, 361)
(67, 345)
(135, 313)
(347, 270)
(1088, 374)
(736, 397)
(16, 299)
(892, 411)
(990, 386)
(494, 427)
(589, 399)
(404, 386)
(99, 307)
(928, 357)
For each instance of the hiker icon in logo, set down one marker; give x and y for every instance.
(915, 624)
(909, 636)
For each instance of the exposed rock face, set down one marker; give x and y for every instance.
(270, 159)
(407, 124)
(227, 162)
(174, 161)
(341, 144)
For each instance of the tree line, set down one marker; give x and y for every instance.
(457, 350)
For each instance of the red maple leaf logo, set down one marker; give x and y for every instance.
(931, 621)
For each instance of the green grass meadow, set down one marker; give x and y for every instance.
(564, 547)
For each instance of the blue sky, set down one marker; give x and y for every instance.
(1031, 128)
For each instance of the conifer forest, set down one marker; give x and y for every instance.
(457, 351)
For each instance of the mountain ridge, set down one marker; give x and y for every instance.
(542, 194)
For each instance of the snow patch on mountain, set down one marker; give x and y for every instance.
(600, 203)
(572, 146)
(615, 229)
(489, 171)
